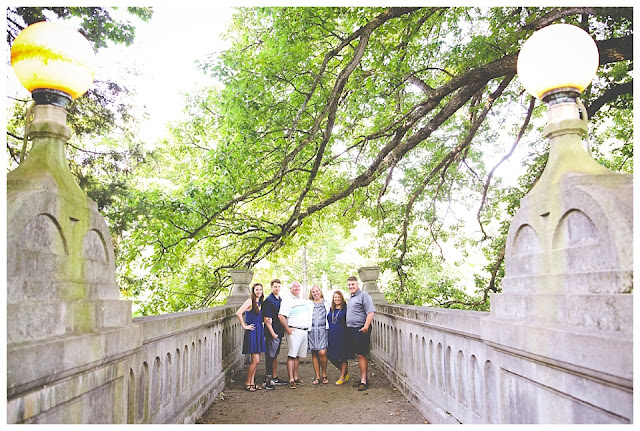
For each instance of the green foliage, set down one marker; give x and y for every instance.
(325, 117)
(97, 25)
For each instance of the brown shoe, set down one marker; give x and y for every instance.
(363, 387)
(292, 384)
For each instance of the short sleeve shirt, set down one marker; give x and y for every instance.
(360, 304)
(271, 308)
(296, 310)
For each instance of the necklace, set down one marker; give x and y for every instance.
(334, 316)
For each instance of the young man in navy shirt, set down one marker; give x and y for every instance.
(273, 333)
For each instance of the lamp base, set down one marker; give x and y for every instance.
(560, 95)
(49, 96)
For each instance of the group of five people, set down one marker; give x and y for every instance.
(331, 330)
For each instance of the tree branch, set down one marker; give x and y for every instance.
(609, 96)
(525, 124)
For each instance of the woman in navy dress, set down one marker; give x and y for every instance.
(254, 342)
(338, 351)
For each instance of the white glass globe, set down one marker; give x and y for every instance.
(49, 55)
(557, 56)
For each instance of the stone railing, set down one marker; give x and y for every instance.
(444, 363)
(179, 367)
(182, 365)
(435, 358)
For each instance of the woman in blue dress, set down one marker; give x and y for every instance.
(338, 351)
(254, 342)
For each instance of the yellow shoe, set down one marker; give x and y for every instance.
(340, 381)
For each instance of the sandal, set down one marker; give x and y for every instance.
(363, 387)
(259, 387)
(325, 380)
(316, 381)
(250, 388)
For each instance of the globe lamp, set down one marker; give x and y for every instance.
(54, 62)
(557, 63)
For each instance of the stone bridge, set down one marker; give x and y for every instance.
(556, 346)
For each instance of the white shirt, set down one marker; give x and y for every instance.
(297, 311)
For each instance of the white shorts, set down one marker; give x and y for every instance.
(297, 344)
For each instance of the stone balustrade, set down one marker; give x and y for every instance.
(179, 367)
(444, 363)
(182, 365)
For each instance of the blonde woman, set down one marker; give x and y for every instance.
(318, 335)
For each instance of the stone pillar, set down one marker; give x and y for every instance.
(240, 290)
(569, 268)
(63, 306)
(369, 276)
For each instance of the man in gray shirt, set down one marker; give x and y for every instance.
(360, 311)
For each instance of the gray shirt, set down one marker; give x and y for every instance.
(360, 304)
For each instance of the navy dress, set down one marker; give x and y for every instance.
(338, 350)
(253, 340)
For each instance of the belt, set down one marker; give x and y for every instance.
(302, 329)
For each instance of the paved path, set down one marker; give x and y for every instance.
(309, 404)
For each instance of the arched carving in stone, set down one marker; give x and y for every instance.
(526, 241)
(131, 395)
(490, 392)
(400, 351)
(207, 357)
(424, 364)
(178, 373)
(476, 385)
(186, 367)
(526, 245)
(167, 386)
(575, 229)
(142, 394)
(440, 367)
(44, 233)
(94, 247)
(156, 385)
(193, 363)
(432, 368)
(578, 245)
(449, 372)
(462, 378)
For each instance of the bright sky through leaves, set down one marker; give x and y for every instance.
(164, 55)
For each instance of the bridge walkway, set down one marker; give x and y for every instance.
(308, 403)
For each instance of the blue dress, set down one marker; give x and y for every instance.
(253, 340)
(338, 350)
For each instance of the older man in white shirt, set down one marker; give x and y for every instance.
(295, 316)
